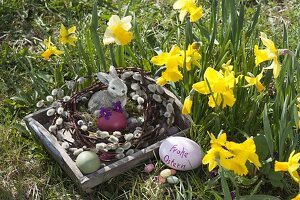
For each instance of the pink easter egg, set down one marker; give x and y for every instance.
(115, 122)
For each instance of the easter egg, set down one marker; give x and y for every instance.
(180, 153)
(87, 162)
(116, 121)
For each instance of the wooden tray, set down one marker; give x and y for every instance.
(38, 124)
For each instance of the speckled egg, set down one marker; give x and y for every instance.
(180, 153)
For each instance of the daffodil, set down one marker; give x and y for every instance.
(118, 30)
(292, 165)
(255, 81)
(51, 50)
(246, 149)
(187, 105)
(296, 197)
(173, 75)
(191, 56)
(171, 60)
(231, 155)
(188, 6)
(225, 98)
(270, 53)
(67, 36)
(218, 87)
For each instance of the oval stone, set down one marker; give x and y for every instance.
(172, 179)
(180, 153)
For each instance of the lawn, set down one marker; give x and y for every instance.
(231, 87)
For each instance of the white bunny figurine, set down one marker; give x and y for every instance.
(116, 91)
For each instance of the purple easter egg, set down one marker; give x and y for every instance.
(116, 121)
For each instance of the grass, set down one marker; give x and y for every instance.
(26, 169)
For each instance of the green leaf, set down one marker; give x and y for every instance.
(96, 40)
(258, 197)
(261, 150)
(267, 130)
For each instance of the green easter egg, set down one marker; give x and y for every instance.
(88, 162)
(172, 180)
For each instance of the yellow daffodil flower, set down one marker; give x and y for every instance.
(247, 149)
(187, 105)
(118, 30)
(171, 60)
(172, 75)
(191, 55)
(255, 81)
(188, 6)
(291, 166)
(270, 53)
(221, 87)
(51, 50)
(227, 68)
(67, 36)
(296, 197)
(225, 98)
(231, 155)
(161, 81)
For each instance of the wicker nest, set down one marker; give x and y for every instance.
(149, 120)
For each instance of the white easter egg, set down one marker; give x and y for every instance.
(180, 153)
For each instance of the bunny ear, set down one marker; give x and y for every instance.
(113, 72)
(104, 78)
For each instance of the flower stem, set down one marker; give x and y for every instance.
(224, 184)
